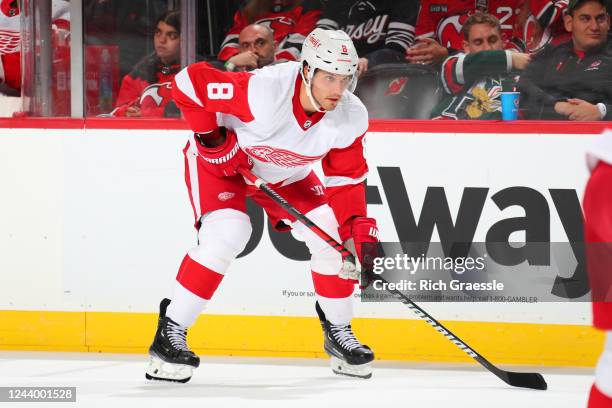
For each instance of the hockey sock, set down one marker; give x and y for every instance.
(195, 284)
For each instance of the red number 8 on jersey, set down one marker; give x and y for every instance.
(220, 90)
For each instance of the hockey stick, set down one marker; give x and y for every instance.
(525, 380)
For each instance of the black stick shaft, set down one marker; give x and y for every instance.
(527, 380)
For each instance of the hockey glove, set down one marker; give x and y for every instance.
(223, 160)
(360, 236)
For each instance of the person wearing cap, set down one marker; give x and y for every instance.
(279, 121)
(573, 81)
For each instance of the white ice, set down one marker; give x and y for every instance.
(116, 381)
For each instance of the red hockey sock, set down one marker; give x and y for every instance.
(598, 399)
(198, 279)
(332, 286)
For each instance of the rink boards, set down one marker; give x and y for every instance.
(95, 221)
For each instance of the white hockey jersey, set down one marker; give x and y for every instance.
(263, 108)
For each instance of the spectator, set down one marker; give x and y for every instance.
(257, 49)
(289, 20)
(574, 80)
(125, 24)
(472, 81)
(382, 30)
(146, 91)
(439, 26)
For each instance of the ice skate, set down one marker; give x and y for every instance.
(171, 359)
(348, 356)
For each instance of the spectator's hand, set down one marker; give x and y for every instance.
(426, 51)
(362, 67)
(246, 59)
(563, 108)
(520, 60)
(133, 112)
(582, 110)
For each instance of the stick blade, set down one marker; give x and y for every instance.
(526, 380)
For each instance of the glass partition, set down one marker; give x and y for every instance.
(418, 59)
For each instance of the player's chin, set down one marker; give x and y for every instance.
(330, 104)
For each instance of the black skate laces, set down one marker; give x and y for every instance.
(177, 335)
(344, 336)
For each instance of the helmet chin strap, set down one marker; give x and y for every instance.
(308, 84)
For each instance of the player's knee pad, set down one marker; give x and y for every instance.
(324, 259)
(603, 372)
(222, 236)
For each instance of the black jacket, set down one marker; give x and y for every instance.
(558, 73)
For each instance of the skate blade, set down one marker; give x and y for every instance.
(341, 367)
(162, 371)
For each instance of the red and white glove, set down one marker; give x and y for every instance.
(225, 159)
(360, 236)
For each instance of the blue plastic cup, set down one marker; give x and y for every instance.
(510, 105)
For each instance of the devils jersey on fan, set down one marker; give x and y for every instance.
(263, 108)
(148, 86)
(443, 19)
(290, 26)
(373, 25)
(545, 24)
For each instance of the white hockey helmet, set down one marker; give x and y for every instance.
(332, 51)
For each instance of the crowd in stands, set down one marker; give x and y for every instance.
(456, 56)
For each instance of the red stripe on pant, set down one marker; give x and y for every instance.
(602, 315)
(198, 279)
(332, 286)
(597, 399)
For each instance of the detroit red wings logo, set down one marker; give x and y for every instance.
(280, 157)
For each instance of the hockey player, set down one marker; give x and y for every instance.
(598, 236)
(280, 120)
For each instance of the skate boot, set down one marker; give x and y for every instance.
(171, 359)
(348, 356)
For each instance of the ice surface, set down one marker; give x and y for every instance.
(116, 381)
